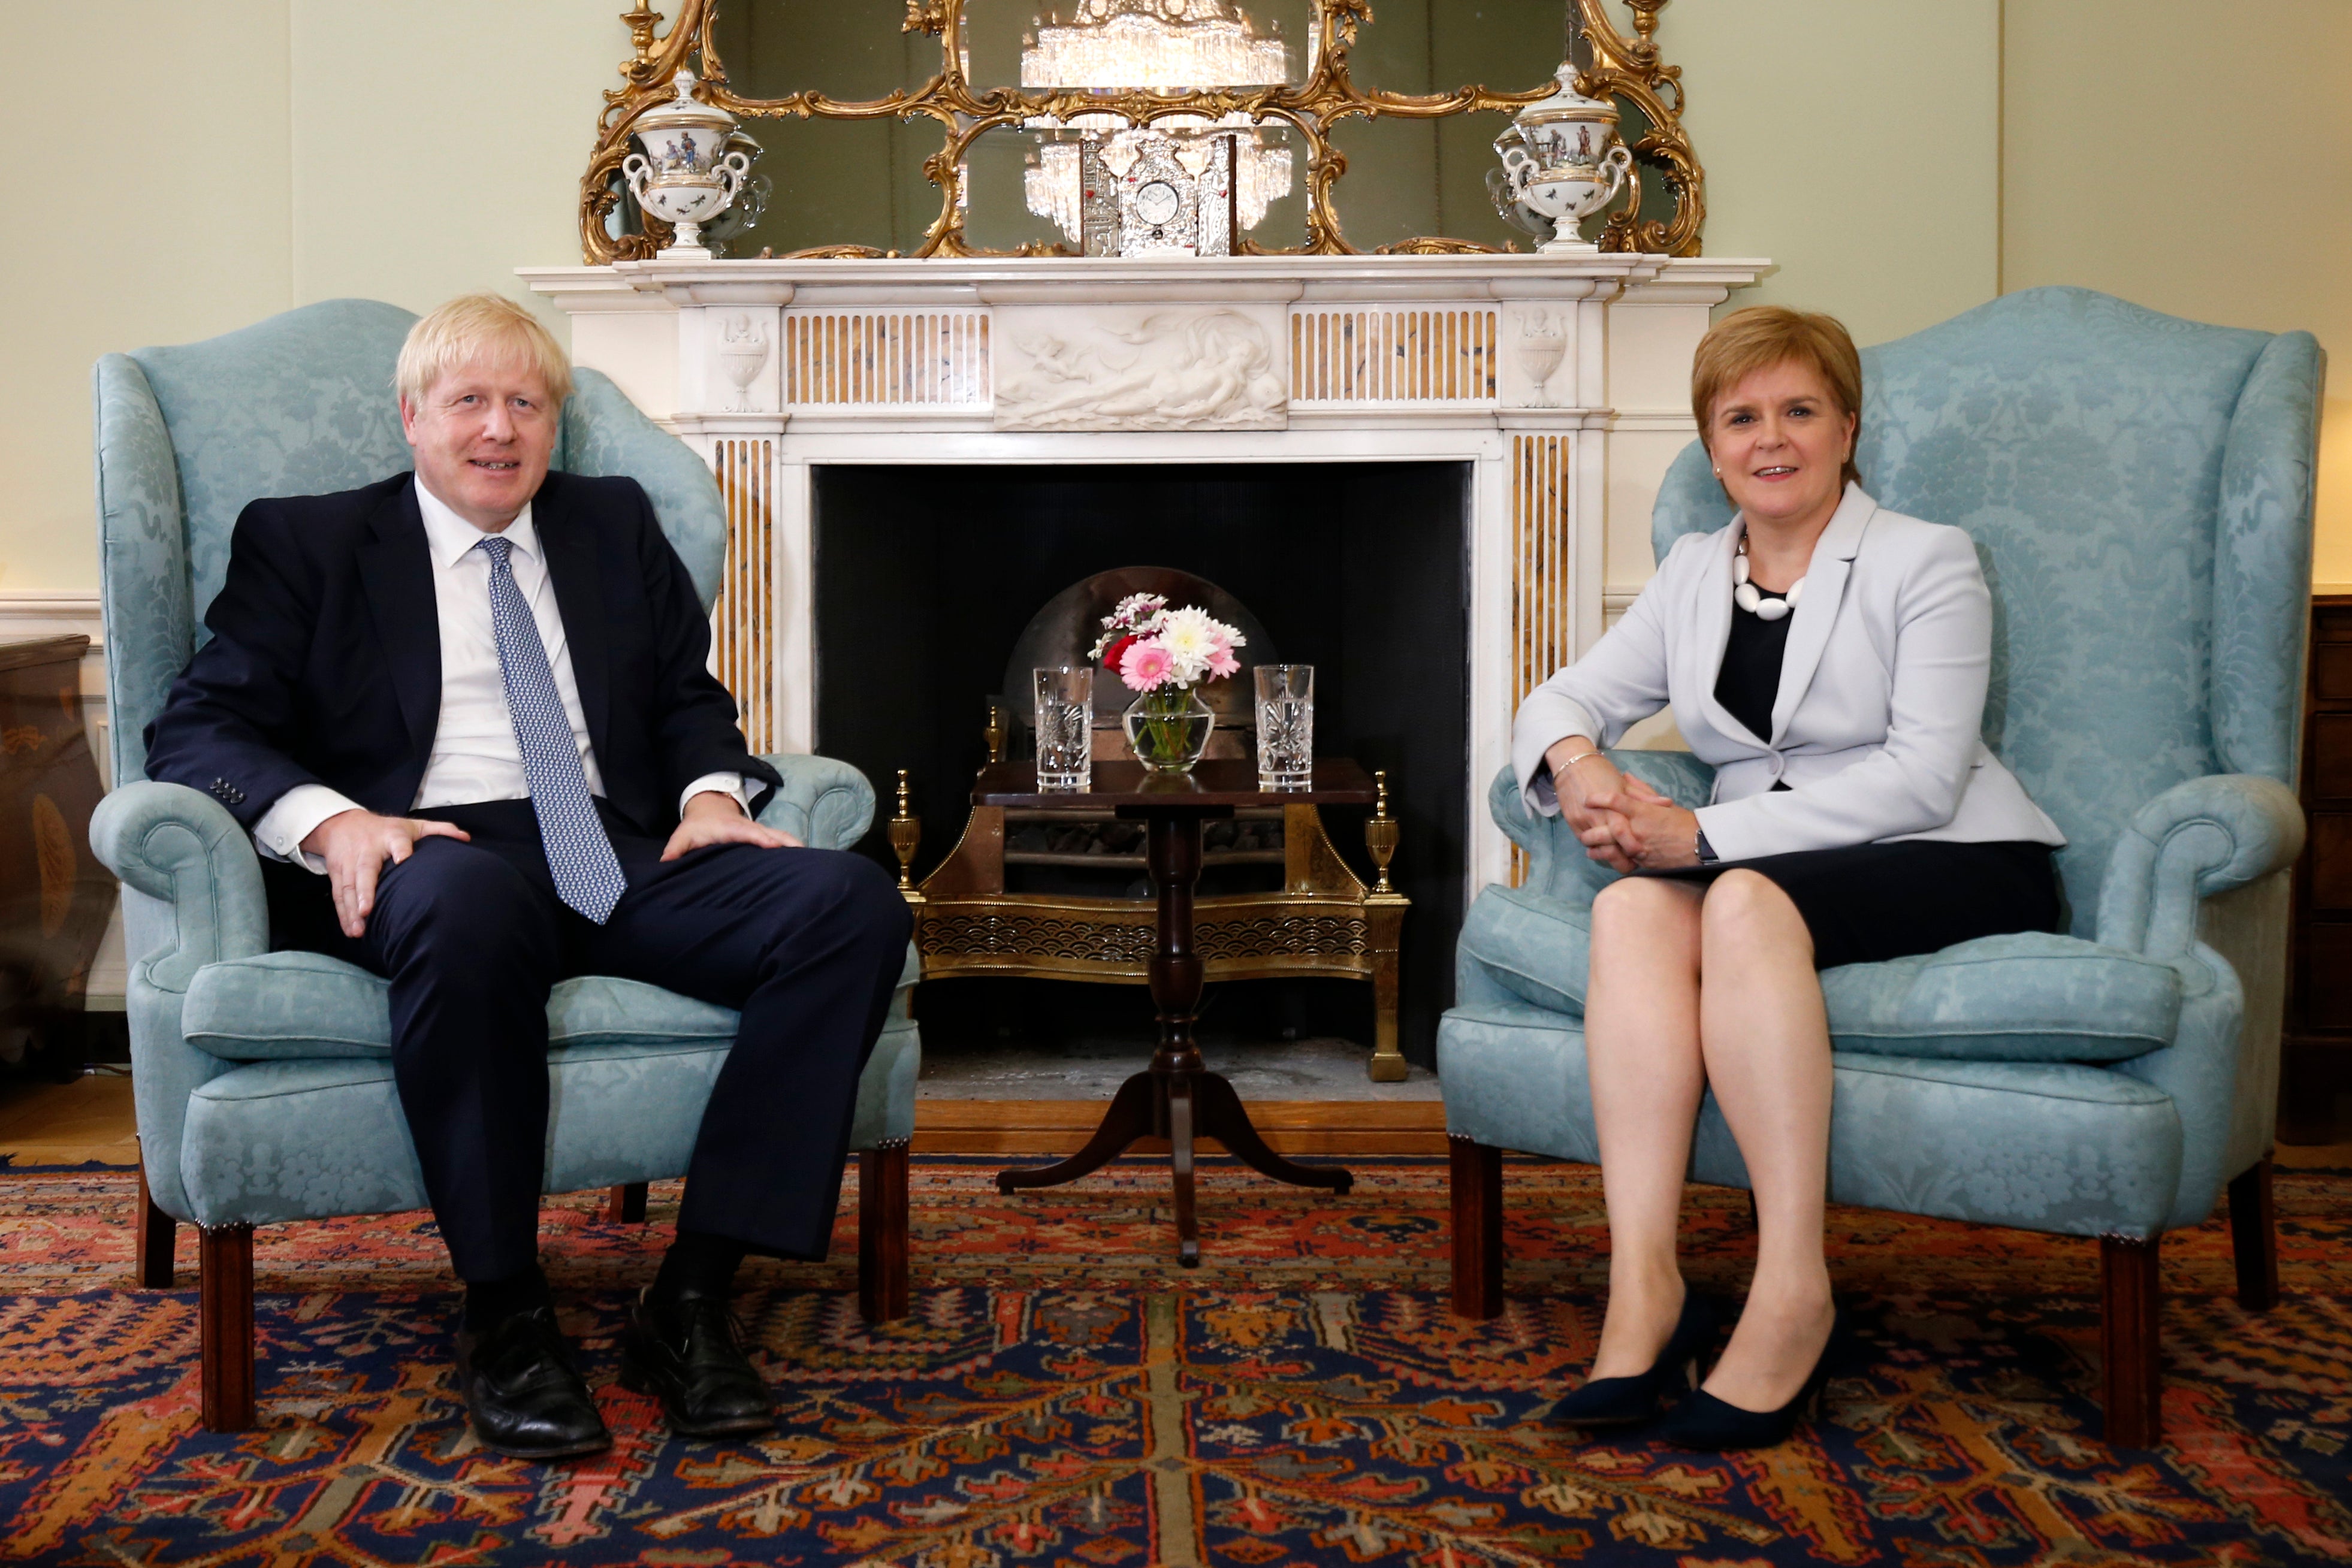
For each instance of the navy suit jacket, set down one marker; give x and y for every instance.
(324, 665)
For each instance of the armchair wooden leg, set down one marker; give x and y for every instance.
(2127, 1342)
(157, 1234)
(224, 1326)
(626, 1204)
(2253, 1237)
(882, 1232)
(1476, 1185)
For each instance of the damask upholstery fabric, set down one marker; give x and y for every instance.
(2081, 442)
(195, 913)
(299, 405)
(294, 1006)
(290, 1006)
(191, 895)
(2045, 1146)
(2261, 562)
(2031, 996)
(143, 558)
(303, 403)
(2140, 490)
(2027, 998)
(309, 1139)
(604, 435)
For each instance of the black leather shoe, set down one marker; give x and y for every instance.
(1704, 1422)
(526, 1400)
(688, 1355)
(1624, 1401)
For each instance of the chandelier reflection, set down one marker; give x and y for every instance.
(1161, 46)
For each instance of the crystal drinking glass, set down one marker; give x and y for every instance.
(1065, 726)
(1286, 726)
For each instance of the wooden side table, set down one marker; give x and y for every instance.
(1176, 1097)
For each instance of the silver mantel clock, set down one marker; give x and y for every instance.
(1148, 194)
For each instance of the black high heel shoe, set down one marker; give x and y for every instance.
(1624, 1401)
(1704, 1422)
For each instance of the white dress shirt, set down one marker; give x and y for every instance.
(475, 754)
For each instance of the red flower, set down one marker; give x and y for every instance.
(1118, 650)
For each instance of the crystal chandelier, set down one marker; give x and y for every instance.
(1162, 46)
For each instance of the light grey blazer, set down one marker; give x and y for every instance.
(1876, 727)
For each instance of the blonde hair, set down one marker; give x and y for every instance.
(1763, 335)
(473, 326)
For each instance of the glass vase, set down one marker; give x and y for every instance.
(1168, 730)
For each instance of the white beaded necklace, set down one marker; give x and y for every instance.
(1754, 599)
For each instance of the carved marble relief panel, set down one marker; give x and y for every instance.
(1182, 368)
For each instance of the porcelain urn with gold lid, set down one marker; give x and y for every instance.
(1562, 162)
(690, 163)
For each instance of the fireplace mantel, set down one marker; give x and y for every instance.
(770, 368)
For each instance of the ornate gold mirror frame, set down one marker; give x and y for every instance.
(1626, 70)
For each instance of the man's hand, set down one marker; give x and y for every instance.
(355, 845)
(712, 818)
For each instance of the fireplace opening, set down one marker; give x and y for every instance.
(926, 577)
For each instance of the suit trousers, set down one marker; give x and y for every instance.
(807, 943)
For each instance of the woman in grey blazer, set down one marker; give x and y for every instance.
(1829, 659)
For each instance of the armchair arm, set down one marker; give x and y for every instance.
(182, 848)
(2172, 874)
(191, 895)
(829, 803)
(2201, 837)
(1557, 866)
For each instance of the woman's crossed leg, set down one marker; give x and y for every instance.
(1690, 988)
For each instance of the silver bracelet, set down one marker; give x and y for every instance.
(1579, 757)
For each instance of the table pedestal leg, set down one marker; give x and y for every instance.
(1176, 1097)
(1222, 1116)
(1130, 1116)
(1180, 1167)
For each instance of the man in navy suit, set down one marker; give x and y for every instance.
(466, 713)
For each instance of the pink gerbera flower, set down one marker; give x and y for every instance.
(1221, 661)
(1145, 665)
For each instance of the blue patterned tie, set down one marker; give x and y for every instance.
(579, 852)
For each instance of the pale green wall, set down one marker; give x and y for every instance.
(2118, 178)
(272, 153)
(158, 247)
(1855, 142)
(1900, 159)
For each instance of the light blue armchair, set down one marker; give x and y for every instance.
(2139, 489)
(264, 1079)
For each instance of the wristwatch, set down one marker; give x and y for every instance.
(1707, 855)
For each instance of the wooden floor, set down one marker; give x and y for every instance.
(91, 1119)
(69, 1124)
(1291, 1126)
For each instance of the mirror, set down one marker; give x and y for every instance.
(978, 127)
(1167, 45)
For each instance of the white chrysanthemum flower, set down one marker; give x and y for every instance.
(1137, 610)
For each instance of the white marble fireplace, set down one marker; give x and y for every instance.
(1561, 382)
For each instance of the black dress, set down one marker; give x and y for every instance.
(1866, 903)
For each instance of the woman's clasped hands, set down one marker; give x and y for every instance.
(1621, 822)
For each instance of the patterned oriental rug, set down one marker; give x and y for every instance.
(1063, 1396)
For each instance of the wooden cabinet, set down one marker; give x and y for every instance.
(2319, 998)
(54, 895)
